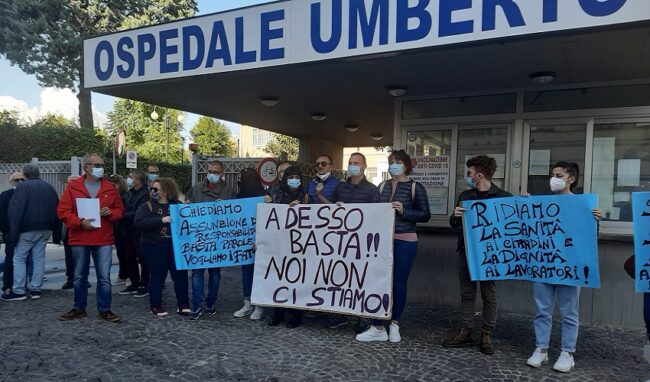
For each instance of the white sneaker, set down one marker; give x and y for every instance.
(564, 363)
(245, 310)
(128, 283)
(539, 357)
(118, 281)
(257, 313)
(373, 334)
(393, 333)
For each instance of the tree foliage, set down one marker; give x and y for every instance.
(213, 137)
(283, 144)
(45, 37)
(143, 134)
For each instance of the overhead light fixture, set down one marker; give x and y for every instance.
(351, 128)
(318, 116)
(376, 137)
(269, 101)
(396, 91)
(542, 78)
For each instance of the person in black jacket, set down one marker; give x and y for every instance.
(153, 221)
(411, 204)
(480, 170)
(32, 218)
(119, 231)
(137, 267)
(250, 186)
(290, 192)
(5, 197)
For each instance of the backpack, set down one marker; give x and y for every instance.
(382, 184)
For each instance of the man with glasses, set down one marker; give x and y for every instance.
(153, 173)
(32, 218)
(213, 188)
(322, 187)
(5, 197)
(89, 238)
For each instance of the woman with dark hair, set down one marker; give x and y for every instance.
(564, 179)
(153, 221)
(119, 231)
(290, 192)
(411, 204)
(250, 186)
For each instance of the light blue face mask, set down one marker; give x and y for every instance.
(153, 177)
(396, 169)
(293, 183)
(213, 178)
(97, 172)
(470, 182)
(354, 170)
(129, 182)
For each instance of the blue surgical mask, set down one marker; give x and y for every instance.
(470, 182)
(213, 178)
(396, 169)
(153, 177)
(293, 183)
(97, 172)
(129, 182)
(354, 170)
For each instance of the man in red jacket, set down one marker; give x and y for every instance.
(86, 240)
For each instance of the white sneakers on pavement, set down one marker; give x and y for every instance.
(564, 363)
(257, 314)
(373, 334)
(539, 357)
(393, 333)
(245, 310)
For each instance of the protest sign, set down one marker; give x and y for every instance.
(214, 234)
(549, 239)
(641, 221)
(325, 257)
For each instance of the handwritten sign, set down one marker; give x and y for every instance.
(214, 234)
(431, 171)
(325, 257)
(641, 221)
(549, 239)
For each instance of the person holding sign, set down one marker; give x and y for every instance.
(291, 193)
(322, 187)
(250, 186)
(152, 220)
(564, 179)
(213, 188)
(480, 170)
(411, 204)
(86, 240)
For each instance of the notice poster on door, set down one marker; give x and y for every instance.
(431, 171)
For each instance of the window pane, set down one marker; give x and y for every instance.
(621, 165)
(430, 151)
(587, 98)
(550, 144)
(491, 141)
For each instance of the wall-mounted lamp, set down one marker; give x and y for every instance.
(318, 116)
(351, 128)
(377, 137)
(396, 91)
(542, 78)
(269, 101)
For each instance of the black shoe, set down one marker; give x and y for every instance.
(35, 294)
(129, 290)
(293, 324)
(337, 321)
(276, 320)
(67, 285)
(141, 292)
(11, 296)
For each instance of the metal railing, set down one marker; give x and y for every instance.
(53, 172)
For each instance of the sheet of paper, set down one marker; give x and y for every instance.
(629, 172)
(88, 208)
(539, 162)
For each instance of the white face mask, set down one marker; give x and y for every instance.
(324, 176)
(557, 184)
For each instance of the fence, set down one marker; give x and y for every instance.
(53, 172)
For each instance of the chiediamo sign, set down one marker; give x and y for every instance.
(296, 31)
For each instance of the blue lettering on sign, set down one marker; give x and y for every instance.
(219, 39)
(268, 34)
(378, 12)
(242, 56)
(447, 27)
(166, 50)
(549, 11)
(126, 57)
(317, 42)
(600, 8)
(108, 48)
(147, 53)
(406, 13)
(510, 9)
(195, 32)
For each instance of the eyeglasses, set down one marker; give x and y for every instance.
(96, 165)
(215, 172)
(19, 180)
(154, 189)
(154, 172)
(322, 164)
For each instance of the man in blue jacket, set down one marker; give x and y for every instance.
(5, 197)
(32, 218)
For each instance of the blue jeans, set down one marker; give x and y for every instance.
(569, 303)
(34, 242)
(102, 258)
(198, 282)
(247, 280)
(404, 253)
(646, 313)
(160, 260)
